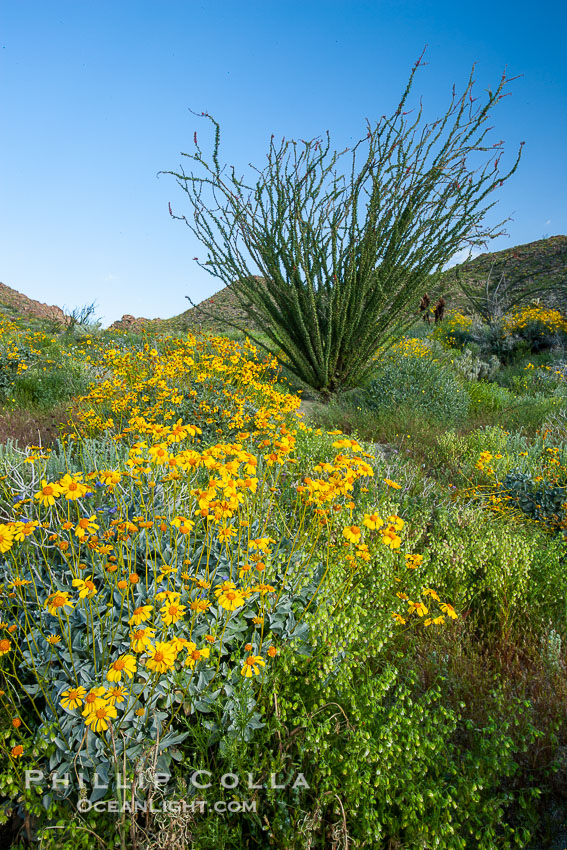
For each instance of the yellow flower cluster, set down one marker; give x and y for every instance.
(191, 538)
(224, 385)
(411, 347)
(445, 331)
(550, 320)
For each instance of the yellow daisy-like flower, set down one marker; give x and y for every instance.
(58, 601)
(72, 488)
(161, 657)
(170, 595)
(393, 484)
(17, 751)
(100, 717)
(124, 664)
(73, 697)
(183, 524)
(226, 533)
(179, 643)
(352, 533)
(252, 666)
(413, 561)
(159, 454)
(22, 530)
(165, 571)
(194, 654)
(200, 605)
(346, 443)
(110, 478)
(261, 543)
(449, 610)
(140, 615)
(178, 432)
(95, 698)
(434, 621)
(419, 608)
(86, 587)
(172, 612)
(117, 694)
(5, 646)
(141, 638)
(372, 521)
(48, 493)
(229, 597)
(86, 525)
(263, 588)
(396, 521)
(53, 639)
(390, 538)
(6, 538)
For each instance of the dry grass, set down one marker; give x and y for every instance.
(33, 427)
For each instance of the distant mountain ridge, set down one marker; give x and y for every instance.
(542, 260)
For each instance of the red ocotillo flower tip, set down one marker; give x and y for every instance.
(195, 137)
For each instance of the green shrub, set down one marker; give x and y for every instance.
(488, 397)
(421, 383)
(42, 386)
(506, 574)
(391, 768)
(542, 502)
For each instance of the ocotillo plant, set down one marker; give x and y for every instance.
(500, 295)
(328, 260)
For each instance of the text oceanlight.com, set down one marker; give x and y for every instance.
(171, 806)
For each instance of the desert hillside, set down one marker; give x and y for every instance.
(539, 261)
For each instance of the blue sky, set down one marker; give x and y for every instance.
(96, 99)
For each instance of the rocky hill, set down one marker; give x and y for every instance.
(212, 314)
(14, 305)
(540, 262)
